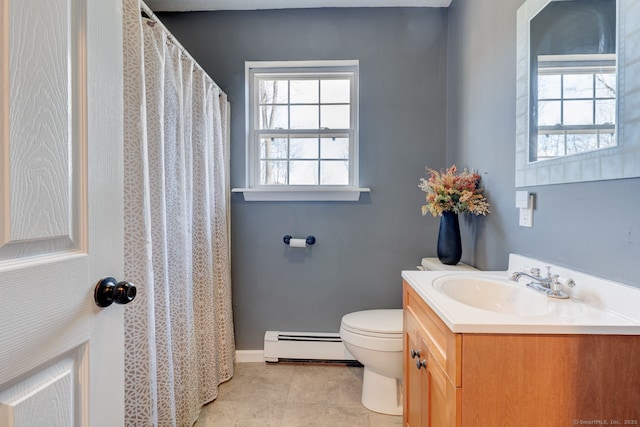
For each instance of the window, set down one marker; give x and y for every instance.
(576, 104)
(302, 131)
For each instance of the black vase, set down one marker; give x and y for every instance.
(449, 243)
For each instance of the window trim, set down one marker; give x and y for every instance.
(257, 192)
(563, 65)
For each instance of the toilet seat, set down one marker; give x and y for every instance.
(377, 323)
(373, 329)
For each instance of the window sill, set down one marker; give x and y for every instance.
(317, 194)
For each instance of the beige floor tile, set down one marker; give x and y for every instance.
(258, 382)
(323, 415)
(242, 413)
(292, 395)
(381, 420)
(326, 384)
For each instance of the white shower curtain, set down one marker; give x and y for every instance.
(179, 343)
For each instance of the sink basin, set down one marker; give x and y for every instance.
(493, 295)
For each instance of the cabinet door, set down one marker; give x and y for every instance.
(442, 398)
(412, 375)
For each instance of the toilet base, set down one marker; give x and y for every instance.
(381, 394)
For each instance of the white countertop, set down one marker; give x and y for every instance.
(596, 306)
(434, 264)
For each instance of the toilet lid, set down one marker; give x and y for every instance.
(374, 321)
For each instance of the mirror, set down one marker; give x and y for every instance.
(572, 78)
(571, 116)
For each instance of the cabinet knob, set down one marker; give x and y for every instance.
(421, 363)
(415, 353)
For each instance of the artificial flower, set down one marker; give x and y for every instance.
(450, 191)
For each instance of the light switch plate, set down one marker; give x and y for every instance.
(523, 199)
(526, 217)
(526, 214)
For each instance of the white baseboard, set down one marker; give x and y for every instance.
(249, 356)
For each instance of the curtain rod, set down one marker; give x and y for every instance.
(146, 10)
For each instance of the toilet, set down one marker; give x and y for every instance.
(374, 338)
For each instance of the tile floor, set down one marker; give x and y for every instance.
(292, 395)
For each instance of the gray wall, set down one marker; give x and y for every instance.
(592, 227)
(361, 246)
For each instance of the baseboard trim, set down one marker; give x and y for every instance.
(249, 356)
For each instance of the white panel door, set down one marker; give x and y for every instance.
(61, 356)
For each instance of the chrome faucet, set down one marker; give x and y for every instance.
(549, 285)
(535, 275)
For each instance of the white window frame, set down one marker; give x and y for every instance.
(589, 64)
(254, 191)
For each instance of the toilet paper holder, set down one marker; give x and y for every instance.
(310, 239)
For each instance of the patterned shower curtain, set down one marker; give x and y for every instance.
(179, 343)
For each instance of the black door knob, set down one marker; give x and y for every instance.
(109, 290)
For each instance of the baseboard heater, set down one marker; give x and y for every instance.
(305, 347)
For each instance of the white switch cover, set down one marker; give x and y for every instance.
(522, 199)
(526, 214)
(526, 217)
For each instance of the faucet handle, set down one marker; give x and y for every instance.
(535, 271)
(557, 280)
(556, 287)
(549, 276)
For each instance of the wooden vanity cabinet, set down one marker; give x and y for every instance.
(431, 368)
(473, 380)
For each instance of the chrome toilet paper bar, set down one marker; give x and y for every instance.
(310, 240)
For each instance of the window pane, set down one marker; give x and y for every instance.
(549, 87)
(549, 113)
(273, 117)
(303, 172)
(335, 91)
(334, 148)
(334, 116)
(304, 148)
(578, 113)
(304, 91)
(578, 86)
(300, 124)
(605, 85)
(274, 91)
(579, 143)
(273, 172)
(550, 146)
(304, 117)
(334, 172)
(606, 111)
(273, 148)
(607, 140)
